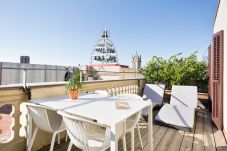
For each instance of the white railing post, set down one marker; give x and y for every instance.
(80, 75)
(24, 78)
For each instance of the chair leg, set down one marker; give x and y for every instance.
(66, 137)
(132, 140)
(32, 139)
(53, 141)
(138, 130)
(70, 146)
(124, 143)
(59, 137)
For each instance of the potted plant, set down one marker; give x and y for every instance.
(73, 85)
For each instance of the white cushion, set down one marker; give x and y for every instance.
(154, 92)
(176, 115)
(184, 96)
(101, 92)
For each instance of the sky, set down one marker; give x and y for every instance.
(64, 32)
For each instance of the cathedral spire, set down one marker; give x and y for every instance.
(136, 61)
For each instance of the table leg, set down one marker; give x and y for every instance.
(113, 139)
(150, 128)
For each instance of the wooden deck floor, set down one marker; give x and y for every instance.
(204, 137)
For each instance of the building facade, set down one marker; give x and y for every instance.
(12, 73)
(110, 72)
(104, 62)
(217, 68)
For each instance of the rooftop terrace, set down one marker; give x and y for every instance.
(205, 135)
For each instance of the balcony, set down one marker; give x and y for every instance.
(205, 135)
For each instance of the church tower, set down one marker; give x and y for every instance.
(136, 61)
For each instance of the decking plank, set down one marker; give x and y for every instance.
(155, 128)
(143, 131)
(209, 144)
(166, 139)
(158, 136)
(220, 143)
(198, 144)
(186, 144)
(176, 141)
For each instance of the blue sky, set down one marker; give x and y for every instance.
(64, 32)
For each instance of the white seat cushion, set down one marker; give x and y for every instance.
(154, 92)
(184, 96)
(176, 115)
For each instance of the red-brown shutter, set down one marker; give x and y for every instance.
(216, 75)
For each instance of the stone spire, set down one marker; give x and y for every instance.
(136, 61)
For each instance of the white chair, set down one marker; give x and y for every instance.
(180, 113)
(153, 93)
(47, 120)
(101, 92)
(184, 96)
(86, 134)
(132, 121)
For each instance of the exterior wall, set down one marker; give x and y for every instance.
(37, 73)
(112, 72)
(221, 24)
(109, 77)
(130, 73)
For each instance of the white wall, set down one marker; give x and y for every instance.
(14, 76)
(221, 24)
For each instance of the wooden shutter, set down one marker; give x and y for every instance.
(216, 75)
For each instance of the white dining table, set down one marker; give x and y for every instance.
(101, 109)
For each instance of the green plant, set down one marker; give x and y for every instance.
(74, 81)
(177, 71)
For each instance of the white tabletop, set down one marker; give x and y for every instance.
(94, 106)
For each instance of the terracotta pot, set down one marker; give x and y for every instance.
(73, 94)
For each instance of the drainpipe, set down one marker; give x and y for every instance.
(24, 79)
(81, 75)
(0, 73)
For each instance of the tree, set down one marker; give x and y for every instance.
(177, 71)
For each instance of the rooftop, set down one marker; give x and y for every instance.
(205, 136)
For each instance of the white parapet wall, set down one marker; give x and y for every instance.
(12, 73)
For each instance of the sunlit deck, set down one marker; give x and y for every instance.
(205, 136)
